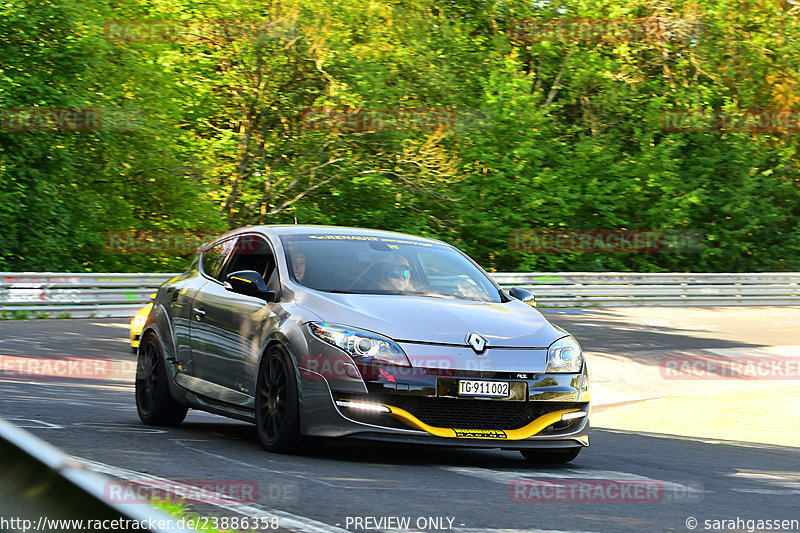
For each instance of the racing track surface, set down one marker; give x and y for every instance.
(96, 420)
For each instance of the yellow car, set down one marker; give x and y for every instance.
(137, 324)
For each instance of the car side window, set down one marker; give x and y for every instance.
(214, 258)
(251, 252)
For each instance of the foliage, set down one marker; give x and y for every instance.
(543, 130)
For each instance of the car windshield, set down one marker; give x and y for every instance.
(365, 264)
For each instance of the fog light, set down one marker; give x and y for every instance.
(364, 406)
(573, 416)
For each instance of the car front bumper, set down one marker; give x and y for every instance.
(423, 409)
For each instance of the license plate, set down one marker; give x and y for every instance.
(494, 389)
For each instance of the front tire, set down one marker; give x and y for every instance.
(551, 456)
(277, 403)
(154, 403)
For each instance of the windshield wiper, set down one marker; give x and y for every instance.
(343, 291)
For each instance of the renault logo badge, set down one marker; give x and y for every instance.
(477, 342)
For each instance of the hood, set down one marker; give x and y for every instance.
(435, 320)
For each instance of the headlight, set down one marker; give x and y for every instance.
(565, 355)
(361, 345)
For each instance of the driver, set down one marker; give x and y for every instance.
(396, 275)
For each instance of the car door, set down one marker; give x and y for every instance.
(228, 329)
(180, 295)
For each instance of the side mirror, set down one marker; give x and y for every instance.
(249, 283)
(523, 295)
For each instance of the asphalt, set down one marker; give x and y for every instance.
(337, 488)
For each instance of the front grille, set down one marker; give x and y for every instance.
(474, 414)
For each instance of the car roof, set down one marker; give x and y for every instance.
(302, 229)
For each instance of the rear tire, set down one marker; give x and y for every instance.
(277, 404)
(154, 403)
(551, 456)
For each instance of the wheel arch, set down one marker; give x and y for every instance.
(159, 324)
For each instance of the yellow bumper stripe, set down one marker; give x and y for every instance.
(508, 434)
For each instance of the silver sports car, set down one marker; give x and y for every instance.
(323, 332)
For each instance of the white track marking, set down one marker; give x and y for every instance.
(780, 483)
(774, 492)
(772, 477)
(287, 520)
(40, 424)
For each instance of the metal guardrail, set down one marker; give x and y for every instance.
(617, 289)
(42, 489)
(66, 295)
(61, 295)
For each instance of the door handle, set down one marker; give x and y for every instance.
(198, 312)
